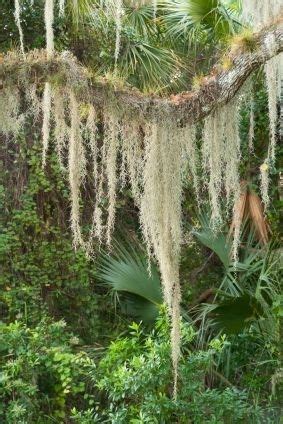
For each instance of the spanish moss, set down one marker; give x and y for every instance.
(76, 168)
(48, 19)
(264, 184)
(46, 108)
(18, 23)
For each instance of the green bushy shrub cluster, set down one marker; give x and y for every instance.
(135, 375)
(47, 377)
(41, 374)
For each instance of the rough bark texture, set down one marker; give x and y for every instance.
(186, 107)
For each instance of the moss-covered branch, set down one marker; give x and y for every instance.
(215, 89)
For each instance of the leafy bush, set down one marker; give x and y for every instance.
(47, 377)
(41, 375)
(135, 377)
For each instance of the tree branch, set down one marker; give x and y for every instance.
(186, 107)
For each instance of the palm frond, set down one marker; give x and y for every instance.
(141, 20)
(184, 17)
(247, 291)
(80, 11)
(149, 67)
(217, 242)
(125, 271)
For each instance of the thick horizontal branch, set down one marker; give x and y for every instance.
(185, 107)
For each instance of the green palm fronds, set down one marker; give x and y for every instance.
(126, 272)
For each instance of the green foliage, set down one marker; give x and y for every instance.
(218, 242)
(248, 288)
(234, 314)
(135, 375)
(56, 322)
(126, 272)
(156, 55)
(47, 376)
(40, 271)
(208, 16)
(247, 308)
(32, 20)
(41, 375)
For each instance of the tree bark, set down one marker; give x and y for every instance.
(187, 107)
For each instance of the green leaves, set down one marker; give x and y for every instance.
(149, 67)
(137, 385)
(234, 315)
(126, 272)
(216, 241)
(248, 288)
(158, 53)
(194, 18)
(39, 372)
(140, 18)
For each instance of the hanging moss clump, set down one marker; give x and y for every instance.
(258, 14)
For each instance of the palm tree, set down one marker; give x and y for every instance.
(159, 52)
(248, 288)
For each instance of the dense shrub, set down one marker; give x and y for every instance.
(46, 377)
(136, 379)
(42, 375)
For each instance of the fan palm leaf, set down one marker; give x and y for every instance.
(186, 17)
(217, 242)
(149, 67)
(141, 20)
(247, 290)
(125, 270)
